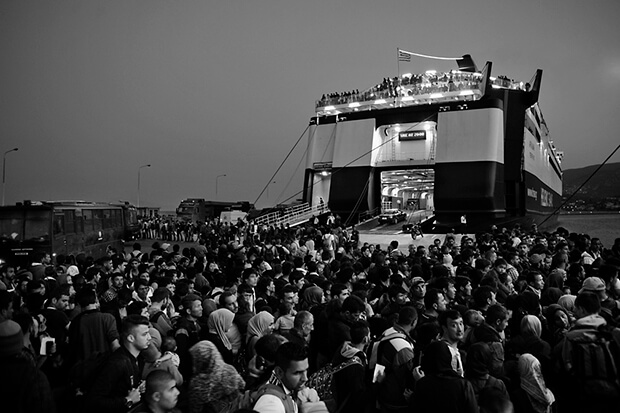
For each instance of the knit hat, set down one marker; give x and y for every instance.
(593, 284)
(417, 280)
(11, 338)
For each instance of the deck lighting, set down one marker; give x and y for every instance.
(380, 101)
(354, 105)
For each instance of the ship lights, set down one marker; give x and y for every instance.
(466, 93)
(354, 105)
(330, 107)
(436, 95)
(380, 101)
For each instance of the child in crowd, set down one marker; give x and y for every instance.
(287, 318)
(169, 348)
(472, 319)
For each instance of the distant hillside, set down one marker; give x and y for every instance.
(605, 184)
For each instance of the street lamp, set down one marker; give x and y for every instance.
(143, 166)
(4, 170)
(216, 180)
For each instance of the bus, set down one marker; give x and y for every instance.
(200, 210)
(64, 227)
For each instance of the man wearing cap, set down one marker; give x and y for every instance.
(596, 285)
(23, 388)
(418, 291)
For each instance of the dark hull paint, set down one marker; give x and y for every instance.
(481, 218)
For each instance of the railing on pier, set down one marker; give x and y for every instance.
(292, 216)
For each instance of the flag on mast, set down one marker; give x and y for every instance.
(403, 56)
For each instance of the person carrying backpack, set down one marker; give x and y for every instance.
(392, 362)
(586, 361)
(349, 385)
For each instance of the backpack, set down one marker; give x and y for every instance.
(322, 380)
(373, 351)
(591, 357)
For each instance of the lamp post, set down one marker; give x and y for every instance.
(143, 166)
(4, 170)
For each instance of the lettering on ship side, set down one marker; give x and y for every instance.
(546, 198)
(532, 151)
(532, 193)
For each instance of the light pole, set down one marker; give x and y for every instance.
(4, 170)
(217, 178)
(143, 166)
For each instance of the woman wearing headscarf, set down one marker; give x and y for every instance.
(441, 389)
(215, 385)
(558, 323)
(532, 396)
(556, 279)
(477, 370)
(550, 296)
(259, 325)
(220, 321)
(567, 302)
(311, 297)
(529, 341)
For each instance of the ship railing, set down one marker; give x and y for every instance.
(406, 86)
(292, 216)
(379, 102)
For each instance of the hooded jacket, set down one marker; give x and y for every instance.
(349, 383)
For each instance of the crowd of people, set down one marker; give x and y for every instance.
(408, 85)
(312, 319)
(417, 85)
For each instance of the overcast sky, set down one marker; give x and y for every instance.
(92, 90)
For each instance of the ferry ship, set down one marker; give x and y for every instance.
(470, 148)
